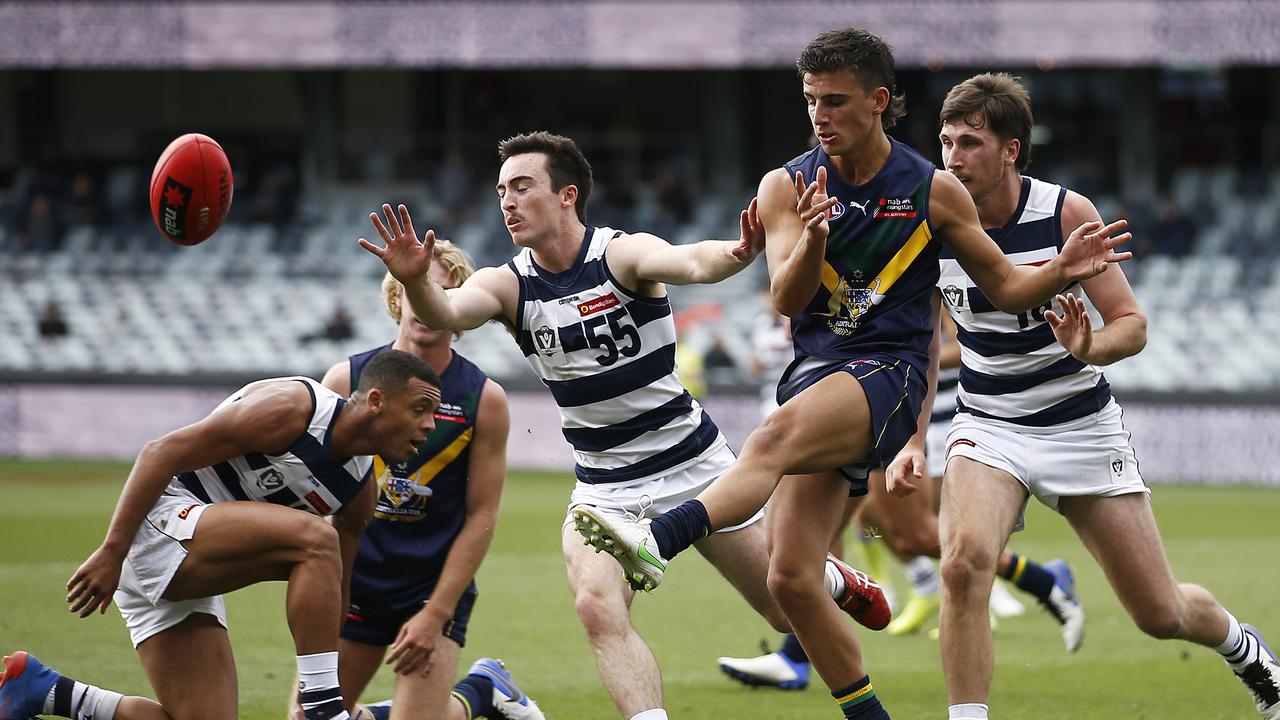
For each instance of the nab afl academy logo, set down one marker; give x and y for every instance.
(954, 296)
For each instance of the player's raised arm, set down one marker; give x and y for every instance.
(476, 302)
(794, 216)
(642, 257)
(1087, 252)
(264, 422)
(1124, 330)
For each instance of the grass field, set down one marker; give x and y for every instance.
(52, 515)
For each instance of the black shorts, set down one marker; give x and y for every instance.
(895, 389)
(373, 623)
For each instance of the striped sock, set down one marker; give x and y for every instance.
(475, 692)
(1029, 577)
(859, 701)
(70, 699)
(318, 690)
(1240, 649)
(922, 575)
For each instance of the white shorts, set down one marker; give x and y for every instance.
(935, 446)
(1088, 456)
(153, 560)
(657, 495)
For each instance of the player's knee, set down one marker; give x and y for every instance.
(317, 540)
(790, 584)
(965, 566)
(601, 614)
(1161, 620)
(769, 441)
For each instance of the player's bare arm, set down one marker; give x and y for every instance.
(491, 293)
(1124, 330)
(267, 419)
(1088, 251)
(910, 465)
(338, 378)
(644, 261)
(350, 523)
(794, 216)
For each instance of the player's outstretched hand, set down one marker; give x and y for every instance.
(813, 205)
(404, 255)
(414, 648)
(93, 584)
(1073, 328)
(907, 469)
(751, 242)
(1091, 249)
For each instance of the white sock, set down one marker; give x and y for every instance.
(922, 575)
(967, 711)
(86, 702)
(318, 687)
(1240, 649)
(654, 714)
(833, 581)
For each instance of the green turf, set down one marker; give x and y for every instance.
(53, 514)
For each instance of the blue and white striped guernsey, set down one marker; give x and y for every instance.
(609, 358)
(1013, 369)
(302, 476)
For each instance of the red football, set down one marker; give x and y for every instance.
(191, 189)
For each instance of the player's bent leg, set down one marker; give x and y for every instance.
(238, 544)
(168, 658)
(358, 662)
(626, 665)
(803, 514)
(29, 689)
(980, 506)
(742, 557)
(429, 697)
(1121, 534)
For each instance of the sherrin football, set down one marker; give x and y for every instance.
(191, 189)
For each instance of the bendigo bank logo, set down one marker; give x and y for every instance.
(599, 304)
(173, 207)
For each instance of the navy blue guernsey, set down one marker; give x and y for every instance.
(1013, 369)
(880, 266)
(422, 503)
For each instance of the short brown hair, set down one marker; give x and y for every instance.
(869, 58)
(994, 100)
(565, 162)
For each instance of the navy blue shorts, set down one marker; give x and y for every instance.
(372, 623)
(895, 389)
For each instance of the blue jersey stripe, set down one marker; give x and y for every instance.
(191, 482)
(991, 344)
(230, 480)
(639, 373)
(1073, 408)
(691, 447)
(611, 436)
(977, 383)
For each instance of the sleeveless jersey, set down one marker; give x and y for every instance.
(1013, 368)
(608, 356)
(880, 266)
(302, 476)
(944, 400)
(422, 502)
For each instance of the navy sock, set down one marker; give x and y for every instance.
(859, 701)
(1029, 577)
(476, 694)
(380, 711)
(678, 528)
(792, 650)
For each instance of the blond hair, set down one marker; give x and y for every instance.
(457, 266)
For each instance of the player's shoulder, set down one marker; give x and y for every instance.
(338, 378)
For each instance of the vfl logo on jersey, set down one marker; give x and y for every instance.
(954, 296)
(896, 207)
(1117, 467)
(270, 480)
(544, 338)
(591, 307)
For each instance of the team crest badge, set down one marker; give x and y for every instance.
(836, 211)
(545, 339)
(954, 296)
(270, 480)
